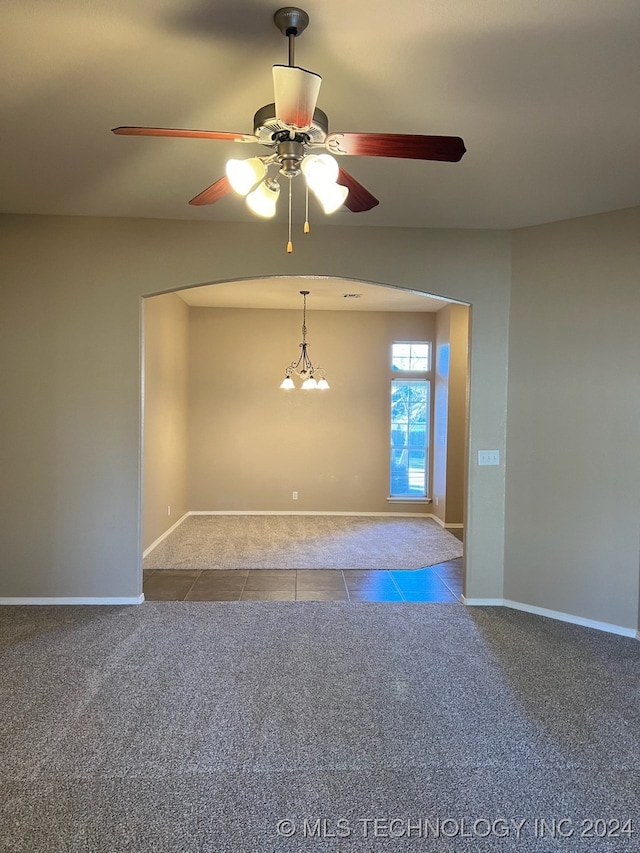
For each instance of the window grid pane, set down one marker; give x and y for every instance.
(411, 356)
(409, 437)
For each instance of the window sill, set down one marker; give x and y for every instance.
(409, 500)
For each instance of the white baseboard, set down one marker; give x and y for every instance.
(569, 617)
(552, 614)
(75, 600)
(307, 512)
(445, 525)
(153, 545)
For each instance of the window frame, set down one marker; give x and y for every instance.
(409, 375)
(413, 370)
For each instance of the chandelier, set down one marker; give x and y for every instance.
(303, 367)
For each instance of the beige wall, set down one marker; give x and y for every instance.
(70, 521)
(70, 389)
(457, 421)
(165, 386)
(450, 414)
(252, 444)
(573, 465)
(440, 414)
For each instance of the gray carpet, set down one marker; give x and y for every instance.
(197, 727)
(303, 542)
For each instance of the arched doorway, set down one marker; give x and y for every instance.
(251, 447)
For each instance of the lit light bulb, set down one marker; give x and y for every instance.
(331, 196)
(287, 383)
(320, 170)
(262, 201)
(245, 174)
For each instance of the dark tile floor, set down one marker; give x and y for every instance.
(440, 583)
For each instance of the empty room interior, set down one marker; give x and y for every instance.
(375, 463)
(397, 608)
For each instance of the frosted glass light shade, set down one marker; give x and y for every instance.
(296, 94)
(331, 196)
(323, 385)
(287, 383)
(245, 174)
(309, 384)
(262, 201)
(320, 170)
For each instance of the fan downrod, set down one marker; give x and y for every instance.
(291, 21)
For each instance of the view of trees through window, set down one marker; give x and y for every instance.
(410, 407)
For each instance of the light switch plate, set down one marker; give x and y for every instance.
(488, 457)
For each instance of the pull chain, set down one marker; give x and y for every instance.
(289, 244)
(306, 228)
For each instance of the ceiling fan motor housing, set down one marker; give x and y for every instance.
(266, 126)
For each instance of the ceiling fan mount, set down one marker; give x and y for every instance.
(294, 130)
(291, 21)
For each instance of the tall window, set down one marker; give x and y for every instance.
(410, 416)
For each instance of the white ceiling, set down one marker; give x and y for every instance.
(545, 93)
(325, 294)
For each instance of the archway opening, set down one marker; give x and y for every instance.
(221, 439)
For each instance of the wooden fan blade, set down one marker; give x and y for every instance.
(359, 198)
(407, 146)
(189, 134)
(213, 193)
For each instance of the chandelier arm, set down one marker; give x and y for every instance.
(308, 364)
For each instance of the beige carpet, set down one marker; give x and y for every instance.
(210, 542)
(197, 727)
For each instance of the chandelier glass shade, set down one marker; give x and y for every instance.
(312, 375)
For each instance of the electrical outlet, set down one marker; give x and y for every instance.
(294, 495)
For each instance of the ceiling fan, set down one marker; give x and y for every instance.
(294, 130)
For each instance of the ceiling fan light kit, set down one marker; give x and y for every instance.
(264, 198)
(294, 129)
(243, 175)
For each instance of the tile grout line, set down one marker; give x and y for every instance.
(184, 598)
(244, 585)
(344, 581)
(458, 596)
(393, 580)
(444, 581)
